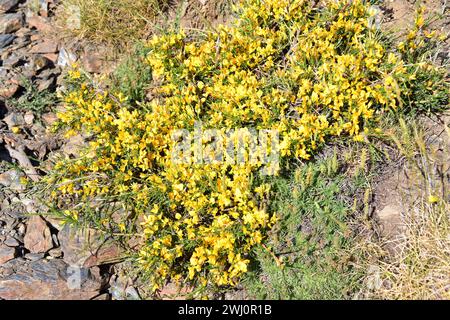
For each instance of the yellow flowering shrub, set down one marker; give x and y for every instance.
(308, 73)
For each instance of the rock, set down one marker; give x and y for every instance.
(74, 145)
(9, 90)
(29, 118)
(6, 254)
(49, 118)
(39, 62)
(14, 120)
(46, 84)
(47, 46)
(21, 229)
(39, 23)
(174, 292)
(85, 247)
(11, 22)
(8, 5)
(6, 40)
(34, 256)
(92, 62)
(13, 60)
(104, 296)
(66, 58)
(38, 237)
(43, 10)
(22, 32)
(47, 280)
(53, 57)
(390, 218)
(11, 242)
(55, 253)
(11, 180)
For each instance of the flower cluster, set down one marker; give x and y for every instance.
(309, 73)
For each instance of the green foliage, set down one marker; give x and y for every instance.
(312, 236)
(34, 100)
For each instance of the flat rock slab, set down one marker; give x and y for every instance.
(6, 40)
(10, 23)
(85, 248)
(47, 46)
(46, 280)
(38, 237)
(8, 5)
(6, 254)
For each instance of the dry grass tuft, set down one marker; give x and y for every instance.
(420, 267)
(113, 22)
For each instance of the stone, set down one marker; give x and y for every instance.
(38, 237)
(34, 256)
(74, 145)
(49, 118)
(85, 248)
(47, 46)
(47, 280)
(11, 22)
(11, 242)
(56, 253)
(9, 90)
(46, 84)
(22, 32)
(43, 11)
(13, 60)
(103, 296)
(66, 58)
(39, 23)
(6, 40)
(8, 5)
(53, 57)
(14, 120)
(172, 291)
(29, 118)
(11, 180)
(6, 254)
(40, 62)
(92, 62)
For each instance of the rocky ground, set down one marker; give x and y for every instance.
(40, 258)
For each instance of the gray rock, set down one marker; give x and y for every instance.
(8, 5)
(13, 60)
(14, 120)
(11, 180)
(11, 242)
(11, 22)
(46, 84)
(86, 248)
(46, 279)
(6, 254)
(34, 256)
(6, 40)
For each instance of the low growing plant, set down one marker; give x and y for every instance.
(309, 73)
